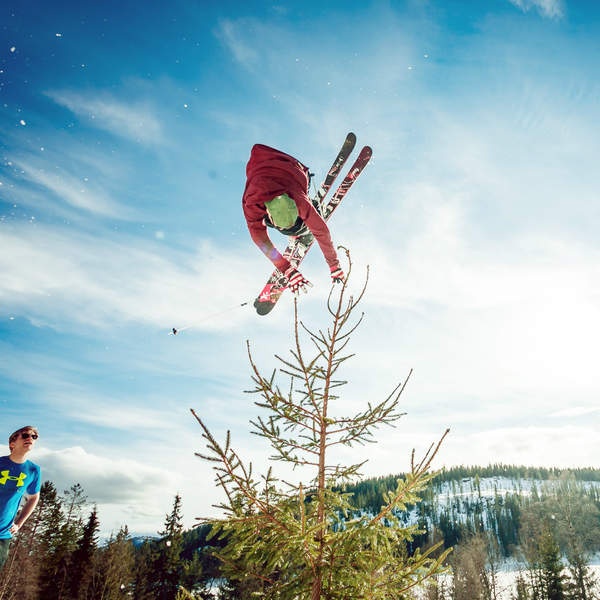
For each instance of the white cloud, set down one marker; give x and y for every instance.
(562, 446)
(125, 490)
(105, 479)
(498, 331)
(575, 411)
(133, 120)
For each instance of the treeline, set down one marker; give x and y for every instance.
(545, 525)
(517, 472)
(57, 556)
(369, 493)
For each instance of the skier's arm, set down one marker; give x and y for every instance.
(318, 227)
(258, 233)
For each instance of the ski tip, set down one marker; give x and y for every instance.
(366, 154)
(263, 308)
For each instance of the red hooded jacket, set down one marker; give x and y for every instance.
(270, 173)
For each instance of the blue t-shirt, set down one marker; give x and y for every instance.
(16, 479)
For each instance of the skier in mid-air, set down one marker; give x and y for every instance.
(276, 195)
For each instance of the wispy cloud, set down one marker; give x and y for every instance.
(134, 120)
(231, 35)
(59, 277)
(552, 9)
(75, 191)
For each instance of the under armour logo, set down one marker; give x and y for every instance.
(4, 477)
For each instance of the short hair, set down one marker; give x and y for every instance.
(15, 434)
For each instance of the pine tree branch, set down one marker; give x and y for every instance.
(414, 482)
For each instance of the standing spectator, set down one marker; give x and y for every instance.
(19, 477)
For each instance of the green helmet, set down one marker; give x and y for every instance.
(282, 211)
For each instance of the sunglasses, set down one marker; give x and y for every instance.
(26, 436)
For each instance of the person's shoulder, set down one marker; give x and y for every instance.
(4, 459)
(33, 466)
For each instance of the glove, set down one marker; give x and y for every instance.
(296, 281)
(337, 275)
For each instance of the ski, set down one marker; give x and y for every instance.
(334, 171)
(355, 170)
(264, 306)
(296, 251)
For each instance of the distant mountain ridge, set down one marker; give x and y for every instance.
(465, 500)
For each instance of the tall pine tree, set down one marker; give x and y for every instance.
(114, 573)
(161, 568)
(168, 565)
(304, 540)
(82, 561)
(60, 541)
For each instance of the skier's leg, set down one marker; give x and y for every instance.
(299, 232)
(296, 230)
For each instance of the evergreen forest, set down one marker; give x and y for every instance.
(543, 524)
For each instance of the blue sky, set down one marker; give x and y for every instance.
(124, 137)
